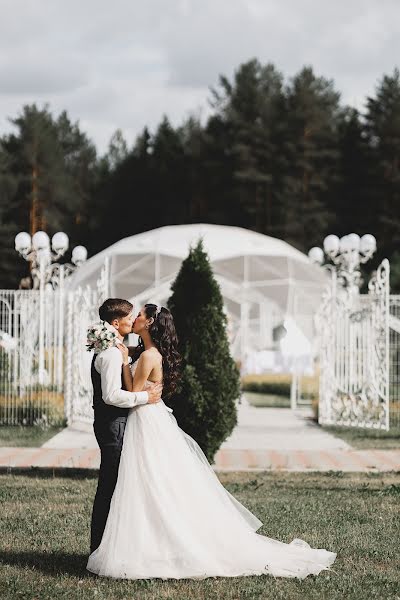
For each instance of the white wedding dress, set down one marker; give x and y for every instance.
(171, 518)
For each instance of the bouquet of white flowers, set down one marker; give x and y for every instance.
(101, 336)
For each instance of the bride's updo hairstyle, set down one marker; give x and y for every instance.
(163, 335)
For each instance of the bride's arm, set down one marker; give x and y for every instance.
(144, 367)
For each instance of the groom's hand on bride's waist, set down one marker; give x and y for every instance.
(154, 391)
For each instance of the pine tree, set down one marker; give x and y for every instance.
(169, 186)
(252, 109)
(117, 150)
(220, 202)
(383, 131)
(142, 148)
(11, 268)
(126, 187)
(352, 202)
(52, 165)
(36, 162)
(193, 141)
(148, 185)
(312, 151)
(205, 404)
(82, 172)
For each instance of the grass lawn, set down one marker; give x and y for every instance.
(45, 533)
(28, 437)
(267, 400)
(367, 438)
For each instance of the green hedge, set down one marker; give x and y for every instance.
(267, 387)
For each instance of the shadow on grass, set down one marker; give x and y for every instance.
(52, 563)
(51, 472)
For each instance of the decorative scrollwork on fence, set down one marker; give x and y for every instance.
(82, 310)
(83, 306)
(354, 354)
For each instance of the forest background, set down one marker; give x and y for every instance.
(282, 157)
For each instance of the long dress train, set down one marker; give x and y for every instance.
(171, 518)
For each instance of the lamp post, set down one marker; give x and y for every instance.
(45, 270)
(48, 274)
(346, 254)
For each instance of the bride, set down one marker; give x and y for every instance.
(170, 517)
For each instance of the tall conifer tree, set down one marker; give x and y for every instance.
(205, 405)
(383, 130)
(312, 151)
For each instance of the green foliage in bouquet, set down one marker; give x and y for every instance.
(205, 402)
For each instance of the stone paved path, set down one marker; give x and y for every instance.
(14, 459)
(280, 429)
(265, 439)
(258, 428)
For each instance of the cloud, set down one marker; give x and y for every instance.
(126, 63)
(29, 77)
(340, 40)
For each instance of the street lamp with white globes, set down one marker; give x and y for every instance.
(346, 253)
(48, 274)
(43, 256)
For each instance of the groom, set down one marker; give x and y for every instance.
(111, 407)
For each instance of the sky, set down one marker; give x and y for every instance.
(123, 64)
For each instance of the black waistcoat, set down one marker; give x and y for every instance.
(104, 412)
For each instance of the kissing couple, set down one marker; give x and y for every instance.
(160, 511)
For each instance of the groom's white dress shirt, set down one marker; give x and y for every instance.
(109, 364)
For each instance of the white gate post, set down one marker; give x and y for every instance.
(41, 318)
(61, 317)
(68, 359)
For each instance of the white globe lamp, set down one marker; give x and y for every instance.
(79, 255)
(316, 255)
(367, 244)
(40, 241)
(331, 244)
(354, 242)
(60, 242)
(345, 244)
(23, 242)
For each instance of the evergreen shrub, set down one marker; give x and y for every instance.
(205, 404)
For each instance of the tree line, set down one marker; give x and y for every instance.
(284, 158)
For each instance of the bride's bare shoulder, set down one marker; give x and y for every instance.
(150, 356)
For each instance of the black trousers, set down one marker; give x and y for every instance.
(109, 436)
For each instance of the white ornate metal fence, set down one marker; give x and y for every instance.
(354, 354)
(394, 352)
(45, 368)
(43, 361)
(82, 309)
(31, 356)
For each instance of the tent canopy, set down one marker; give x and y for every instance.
(260, 276)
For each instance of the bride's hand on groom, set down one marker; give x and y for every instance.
(154, 390)
(125, 353)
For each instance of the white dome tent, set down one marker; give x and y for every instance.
(263, 280)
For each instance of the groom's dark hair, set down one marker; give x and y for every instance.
(114, 308)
